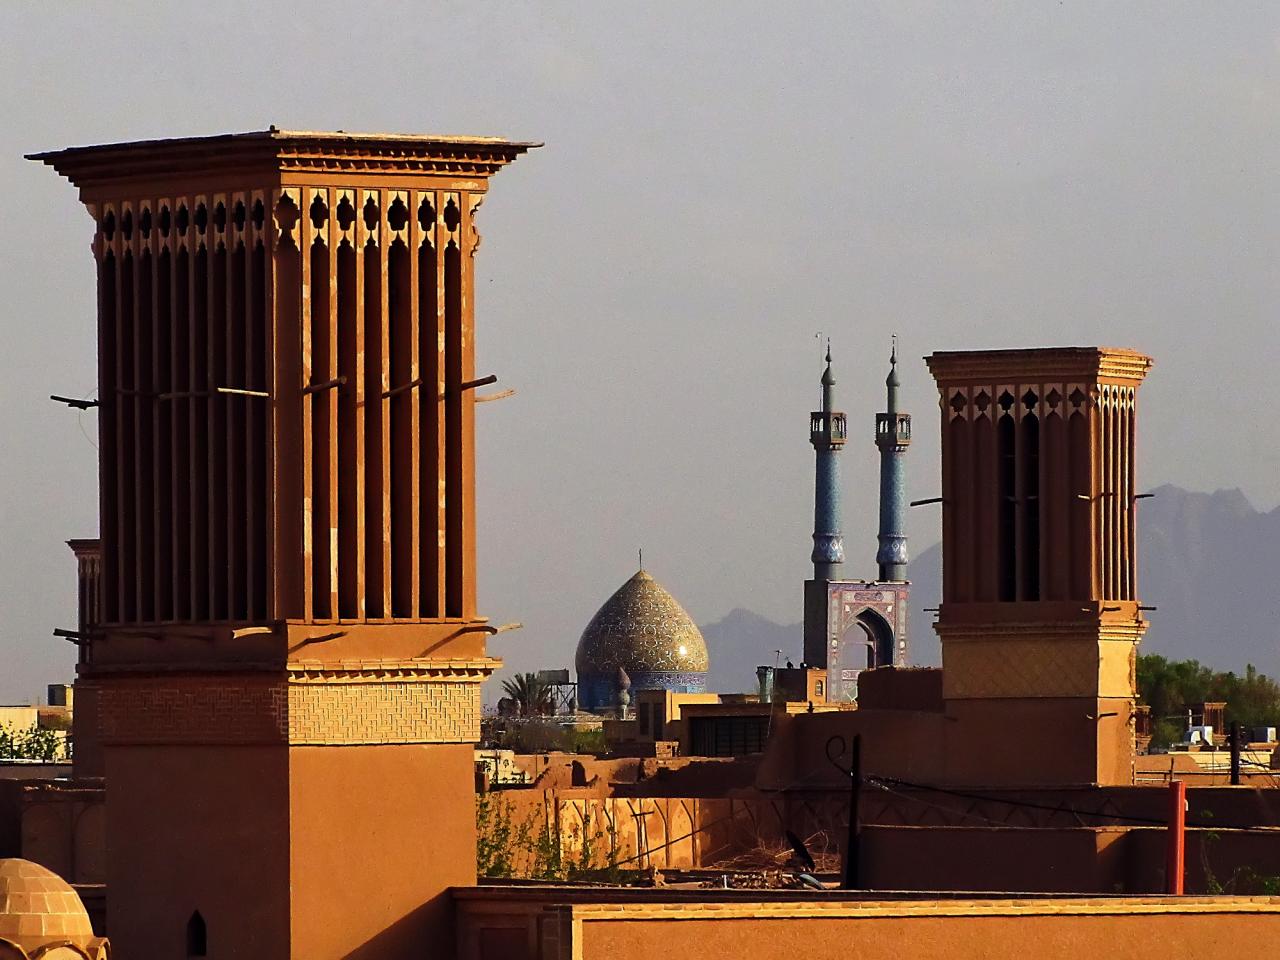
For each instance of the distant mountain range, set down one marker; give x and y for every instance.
(1209, 563)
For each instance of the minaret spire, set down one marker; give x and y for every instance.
(827, 434)
(893, 436)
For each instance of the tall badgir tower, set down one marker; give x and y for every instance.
(289, 661)
(1040, 619)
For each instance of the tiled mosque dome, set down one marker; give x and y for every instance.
(643, 630)
(41, 916)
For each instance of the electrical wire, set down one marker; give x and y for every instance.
(1031, 805)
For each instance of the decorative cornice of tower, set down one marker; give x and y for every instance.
(285, 151)
(1048, 364)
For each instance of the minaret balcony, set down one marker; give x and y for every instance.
(893, 430)
(827, 429)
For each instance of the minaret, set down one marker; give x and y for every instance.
(827, 434)
(893, 436)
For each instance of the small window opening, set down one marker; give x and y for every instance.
(197, 936)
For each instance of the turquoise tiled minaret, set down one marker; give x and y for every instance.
(893, 436)
(827, 434)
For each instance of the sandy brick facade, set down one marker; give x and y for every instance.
(303, 706)
(391, 711)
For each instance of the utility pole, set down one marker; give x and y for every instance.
(1175, 851)
(1235, 752)
(852, 851)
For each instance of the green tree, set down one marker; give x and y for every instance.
(1170, 687)
(34, 743)
(532, 696)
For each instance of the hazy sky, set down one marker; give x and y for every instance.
(720, 181)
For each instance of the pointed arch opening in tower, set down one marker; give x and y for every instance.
(1029, 500)
(197, 936)
(1006, 509)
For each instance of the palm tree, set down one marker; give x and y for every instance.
(532, 696)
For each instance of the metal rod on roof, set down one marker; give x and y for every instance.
(327, 385)
(416, 382)
(236, 391)
(74, 402)
(481, 382)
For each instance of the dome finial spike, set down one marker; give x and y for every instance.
(828, 349)
(641, 552)
(893, 352)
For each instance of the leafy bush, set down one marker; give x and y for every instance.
(534, 847)
(34, 743)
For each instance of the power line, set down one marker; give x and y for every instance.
(1031, 805)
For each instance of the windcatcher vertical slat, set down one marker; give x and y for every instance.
(180, 412)
(329, 397)
(454, 365)
(162, 415)
(360, 394)
(238, 409)
(1095, 456)
(307, 328)
(144, 398)
(466, 292)
(107, 247)
(201, 406)
(257, 452)
(288, 345)
(318, 402)
(374, 313)
(984, 495)
(413, 394)
(126, 399)
(384, 403)
(1080, 505)
(1055, 485)
(402, 362)
(220, 407)
(1110, 496)
(959, 509)
(436, 470)
(1131, 473)
(350, 399)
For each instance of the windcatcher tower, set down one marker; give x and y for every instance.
(827, 433)
(289, 661)
(1040, 619)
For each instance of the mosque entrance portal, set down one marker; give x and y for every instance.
(866, 629)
